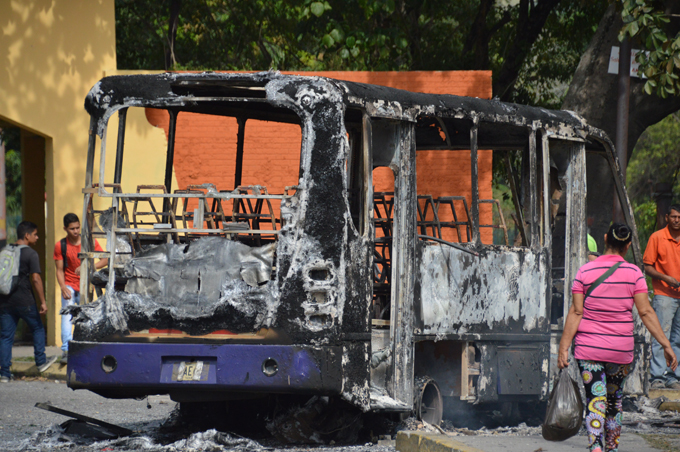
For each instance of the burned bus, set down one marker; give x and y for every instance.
(388, 297)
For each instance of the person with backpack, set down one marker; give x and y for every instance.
(17, 301)
(68, 274)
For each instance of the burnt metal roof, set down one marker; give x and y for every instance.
(227, 93)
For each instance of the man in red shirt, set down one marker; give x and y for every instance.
(662, 264)
(68, 274)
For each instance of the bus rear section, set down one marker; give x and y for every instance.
(222, 284)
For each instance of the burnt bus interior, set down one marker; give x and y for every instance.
(525, 201)
(155, 213)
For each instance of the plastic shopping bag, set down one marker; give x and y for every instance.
(564, 416)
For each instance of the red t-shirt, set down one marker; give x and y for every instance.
(72, 262)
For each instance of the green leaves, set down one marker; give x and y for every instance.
(377, 35)
(646, 20)
(337, 35)
(655, 159)
(318, 8)
(328, 40)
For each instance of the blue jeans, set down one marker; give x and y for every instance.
(9, 319)
(66, 326)
(668, 311)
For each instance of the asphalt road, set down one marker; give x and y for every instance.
(24, 427)
(20, 420)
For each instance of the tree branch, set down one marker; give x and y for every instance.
(170, 59)
(529, 26)
(477, 42)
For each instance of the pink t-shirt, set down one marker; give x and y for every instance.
(606, 329)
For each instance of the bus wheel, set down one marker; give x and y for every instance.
(428, 402)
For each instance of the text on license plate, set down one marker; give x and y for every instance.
(191, 371)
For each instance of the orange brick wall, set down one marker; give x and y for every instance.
(272, 150)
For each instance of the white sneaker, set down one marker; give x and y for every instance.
(5, 379)
(47, 364)
(658, 384)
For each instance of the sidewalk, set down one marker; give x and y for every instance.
(428, 442)
(23, 364)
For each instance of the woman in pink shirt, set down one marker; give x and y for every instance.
(600, 322)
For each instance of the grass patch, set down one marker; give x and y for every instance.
(24, 359)
(662, 442)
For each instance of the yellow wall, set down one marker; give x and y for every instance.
(51, 53)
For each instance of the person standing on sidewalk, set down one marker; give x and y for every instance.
(20, 304)
(68, 274)
(662, 263)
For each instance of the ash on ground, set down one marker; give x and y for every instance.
(322, 424)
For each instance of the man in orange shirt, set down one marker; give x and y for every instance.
(68, 274)
(662, 263)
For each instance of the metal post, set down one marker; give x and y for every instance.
(240, 136)
(474, 188)
(3, 188)
(169, 160)
(122, 115)
(622, 119)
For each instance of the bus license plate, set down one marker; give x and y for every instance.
(190, 371)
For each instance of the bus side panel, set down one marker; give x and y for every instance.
(499, 291)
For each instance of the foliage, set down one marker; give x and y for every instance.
(503, 194)
(506, 163)
(648, 21)
(212, 34)
(645, 219)
(656, 159)
(531, 62)
(11, 139)
(546, 74)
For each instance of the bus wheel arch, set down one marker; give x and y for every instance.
(428, 404)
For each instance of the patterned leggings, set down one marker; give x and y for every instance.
(604, 391)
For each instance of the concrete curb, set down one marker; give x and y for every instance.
(28, 369)
(408, 441)
(673, 396)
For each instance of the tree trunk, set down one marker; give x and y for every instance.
(593, 95)
(663, 196)
(532, 17)
(170, 59)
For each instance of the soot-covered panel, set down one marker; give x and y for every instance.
(497, 291)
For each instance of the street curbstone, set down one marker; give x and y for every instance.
(672, 395)
(28, 369)
(410, 441)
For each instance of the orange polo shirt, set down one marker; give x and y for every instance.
(663, 253)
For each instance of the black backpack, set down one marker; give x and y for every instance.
(63, 251)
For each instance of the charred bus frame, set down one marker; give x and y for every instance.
(316, 302)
